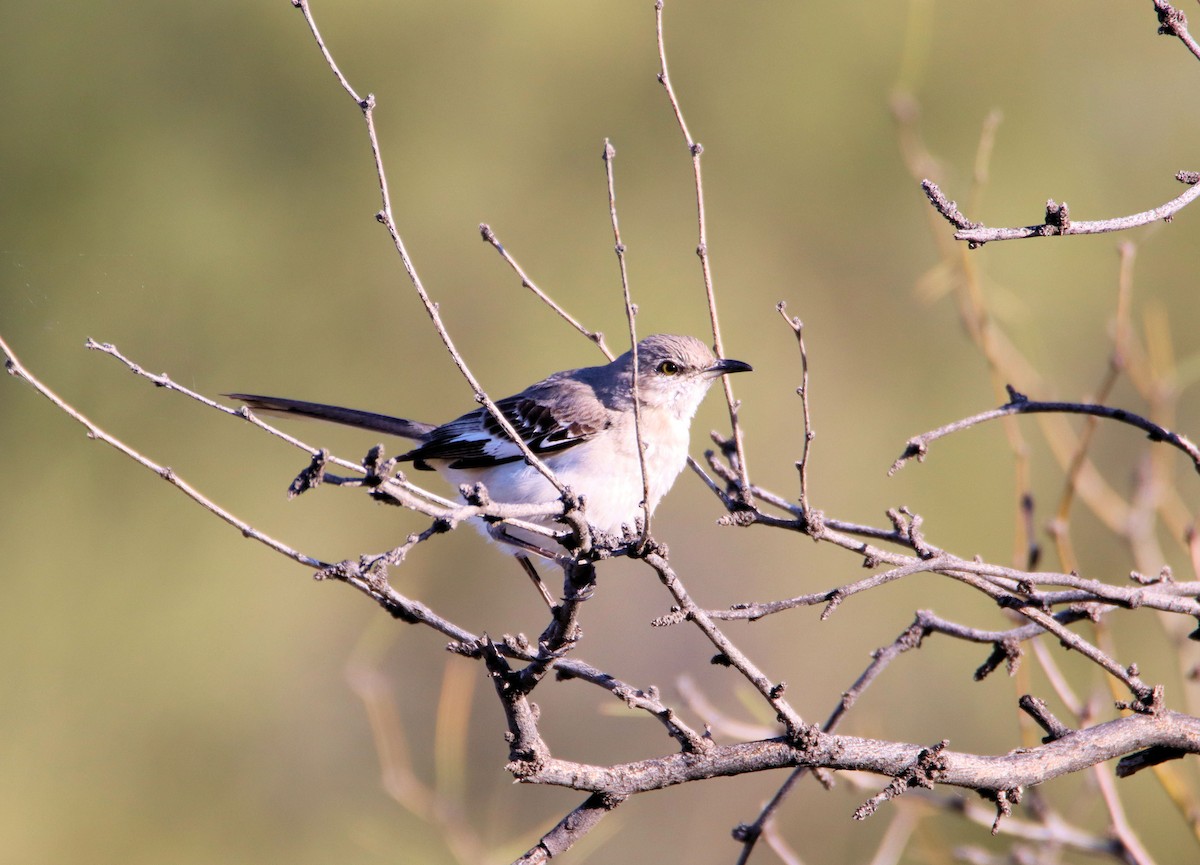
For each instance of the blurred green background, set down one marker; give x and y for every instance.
(187, 181)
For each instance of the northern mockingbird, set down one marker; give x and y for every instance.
(579, 422)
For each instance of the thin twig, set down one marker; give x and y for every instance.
(446, 512)
(1057, 222)
(570, 829)
(1116, 365)
(14, 367)
(1131, 850)
(489, 236)
(610, 153)
(910, 638)
(696, 149)
(797, 327)
(772, 692)
(384, 216)
(918, 446)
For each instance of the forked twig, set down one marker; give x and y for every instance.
(880, 659)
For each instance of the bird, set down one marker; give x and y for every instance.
(578, 422)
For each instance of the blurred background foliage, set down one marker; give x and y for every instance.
(187, 181)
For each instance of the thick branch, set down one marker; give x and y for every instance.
(1020, 768)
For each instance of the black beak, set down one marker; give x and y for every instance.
(726, 365)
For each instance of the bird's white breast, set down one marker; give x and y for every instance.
(605, 470)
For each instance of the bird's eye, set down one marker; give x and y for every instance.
(668, 367)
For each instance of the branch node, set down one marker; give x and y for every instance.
(1003, 800)
(924, 771)
(1058, 218)
(1006, 651)
(1038, 710)
(310, 477)
(1149, 701)
(835, 600)
(675, 617)
(1015, 397)
(813, 522)
(807, 738)
(746, 833)
(1171, 21)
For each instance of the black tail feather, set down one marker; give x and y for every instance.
(282, 407)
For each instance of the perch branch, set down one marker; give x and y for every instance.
(1016, 769)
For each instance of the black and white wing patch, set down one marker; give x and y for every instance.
(476, 440)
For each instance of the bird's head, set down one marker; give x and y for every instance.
(675, 372)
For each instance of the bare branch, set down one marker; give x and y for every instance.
(730, 655)
(797, 327)
(1057, 222)
(918, 446)
(610, 153)
(14, 367)
(571, 828)
(696, 149)
(1172, 22)
(1017, 769)
(385, 217)
(385, 485)
(489, 236)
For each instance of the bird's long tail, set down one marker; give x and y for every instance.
(283, 407)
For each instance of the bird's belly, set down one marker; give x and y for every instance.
(605, 472)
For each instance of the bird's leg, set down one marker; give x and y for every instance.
(499, 532)
(537, 580)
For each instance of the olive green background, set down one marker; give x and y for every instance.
(188, 181)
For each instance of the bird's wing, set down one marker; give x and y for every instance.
(548, 420)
